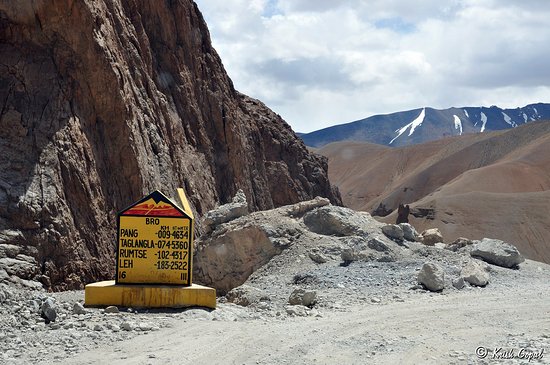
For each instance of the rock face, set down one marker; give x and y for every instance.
(497, 252)
(104, 101)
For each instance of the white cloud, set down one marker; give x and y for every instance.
(319, 63)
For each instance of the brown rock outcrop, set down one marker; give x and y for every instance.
(104, 101)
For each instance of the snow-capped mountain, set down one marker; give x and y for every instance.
(427, 124)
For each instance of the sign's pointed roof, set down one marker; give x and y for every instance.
(155, 204)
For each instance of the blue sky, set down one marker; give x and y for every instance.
(323, 62)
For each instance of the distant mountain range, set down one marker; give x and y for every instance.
(426, 124)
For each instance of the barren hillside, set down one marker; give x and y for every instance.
(495, 184)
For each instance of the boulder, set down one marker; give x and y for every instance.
(458, 283)
(299, 209)
(475, 274)
(246, 295)
(409, 232)
(48, 310)
(432, 277)
(431, 236)
(393, 231)
(459, 243)
(303, 297)
(350, 254)
(497, 252)
(225, 213)
(79, 309)
(317, 257)
(111, 309)
(224, 261)
(337, 221)
(377, 244)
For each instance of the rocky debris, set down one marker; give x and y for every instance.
(409, 232)
(317, 257)
(497, 252)
(337, 221)
(459, 243)
(432, 276)
(475, 274)
(393, 231)
(431, 236)
(225, 258)
(297, 310)
(306, 298)
(48, 310)
(59, 187)
(225, 213)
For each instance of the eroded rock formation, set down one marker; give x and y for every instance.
(104, 101)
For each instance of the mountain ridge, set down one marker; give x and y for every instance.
(426, 124)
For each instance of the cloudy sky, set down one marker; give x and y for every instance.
(324, 62)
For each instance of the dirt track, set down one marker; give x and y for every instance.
(429, 328)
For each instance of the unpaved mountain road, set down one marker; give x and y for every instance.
(428, 329)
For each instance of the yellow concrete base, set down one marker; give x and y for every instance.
(149, 296)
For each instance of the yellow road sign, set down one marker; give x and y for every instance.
(155, 242)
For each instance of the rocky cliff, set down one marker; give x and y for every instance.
(102, 101)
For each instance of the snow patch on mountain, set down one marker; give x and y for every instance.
(484, 121)
(536, 112)
(466, 113)
(508, 120)
(413, 125)
(525, 118)
(458, 123)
